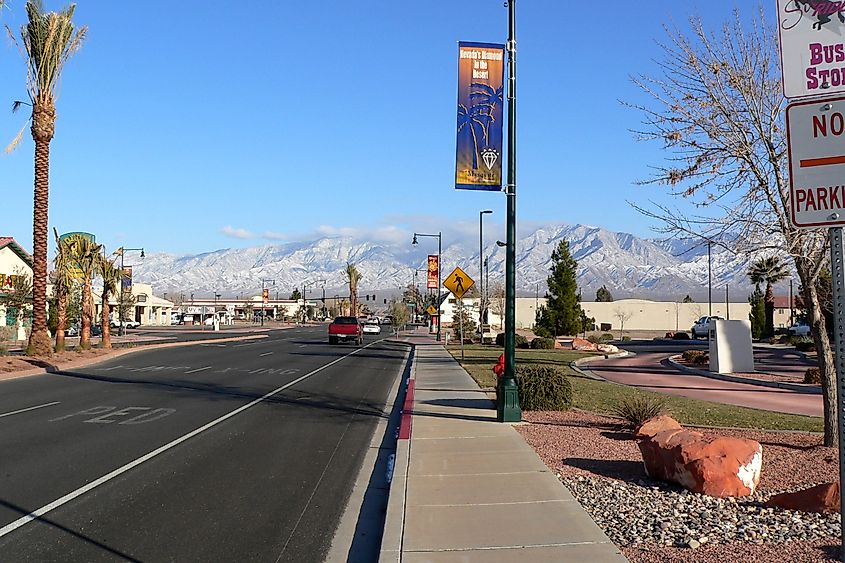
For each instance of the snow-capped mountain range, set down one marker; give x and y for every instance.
(629, 266)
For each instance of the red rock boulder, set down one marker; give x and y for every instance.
(654, 426)
(821, 498)
(720, 467)
(583, 345)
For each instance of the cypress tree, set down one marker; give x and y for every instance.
(562, 313)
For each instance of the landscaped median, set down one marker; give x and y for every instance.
(595, 454)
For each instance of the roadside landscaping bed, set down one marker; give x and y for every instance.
(9, 365)
(603, 397)
(600, 463)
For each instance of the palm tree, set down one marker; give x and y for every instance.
(469, 119)
(63, 282)
(49, 40)
(770, 271)
(112, 277)
(353, 276)
(85, 256)
(486, 99)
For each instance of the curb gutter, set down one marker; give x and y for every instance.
(747, 380)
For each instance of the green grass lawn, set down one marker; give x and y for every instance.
(602, 396)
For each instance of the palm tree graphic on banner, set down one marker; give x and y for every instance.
(478, 118)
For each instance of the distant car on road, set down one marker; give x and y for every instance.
(346, 328)
(701, 328)
(372, 327)
(799, 329)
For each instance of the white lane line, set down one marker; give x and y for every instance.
(9, 528)
(265, 354)
(30, 409)
(198, 370)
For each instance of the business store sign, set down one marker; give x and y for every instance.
(433, 272)
(812, 47)
(481, 75)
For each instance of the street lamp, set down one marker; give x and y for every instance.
(121, 331)
(264, 283)
(481, 215)
(439, 237)
(507, 409)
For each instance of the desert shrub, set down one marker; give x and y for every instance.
(543, 344)
(626, 339)
(804, 344)
(521, 341)
(680, 336)
(3, 350)
(543, 388)
(542, 332)
(594, 339)
(8, 333)
(813, 375)
(638, 409)
(694, 356)
(605, 337)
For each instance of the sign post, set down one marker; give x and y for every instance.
(459, 282)
(813, 62)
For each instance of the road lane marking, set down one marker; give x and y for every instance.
(30, 409)
(198, 370)
(265, 354)
(9, 528)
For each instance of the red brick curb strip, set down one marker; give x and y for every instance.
(119, 353)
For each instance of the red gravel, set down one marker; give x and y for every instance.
(582, 443)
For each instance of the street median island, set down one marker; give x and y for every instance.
(595, 455)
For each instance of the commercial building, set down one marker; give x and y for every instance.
(14, 261)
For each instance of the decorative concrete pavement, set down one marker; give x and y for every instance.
(467, 488)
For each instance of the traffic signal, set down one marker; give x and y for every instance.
(368, 297)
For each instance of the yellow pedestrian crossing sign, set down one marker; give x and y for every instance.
(431, 310)
(458, 282)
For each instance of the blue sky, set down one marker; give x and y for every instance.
(192, 126)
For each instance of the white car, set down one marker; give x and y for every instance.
(799, 329)
(371, 327)
(115, 323)
(701, 328)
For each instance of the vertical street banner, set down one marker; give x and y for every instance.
(126, 279)
(433, 271)
(481, 79)
(812, 47)
(266, 296)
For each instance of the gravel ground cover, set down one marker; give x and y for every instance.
(652, 521)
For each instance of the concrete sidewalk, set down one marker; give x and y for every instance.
(467, 488)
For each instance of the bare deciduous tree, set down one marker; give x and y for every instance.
(622, 316)
(718, 111)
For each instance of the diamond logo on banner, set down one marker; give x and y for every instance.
(489, 156)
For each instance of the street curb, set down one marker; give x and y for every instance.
(747, 380)
(576, 364)
(373, 479)
(394, 521)
(52, 368)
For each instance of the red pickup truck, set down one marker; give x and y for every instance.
(346, 328)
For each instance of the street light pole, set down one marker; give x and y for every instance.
(709, 281)
(121, 331)
(508, 409)
(481, 215)
(439, 237)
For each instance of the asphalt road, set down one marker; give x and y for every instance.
(240, 451)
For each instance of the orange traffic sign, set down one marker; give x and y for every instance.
(458, 283)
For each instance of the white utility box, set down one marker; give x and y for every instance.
(730, 347)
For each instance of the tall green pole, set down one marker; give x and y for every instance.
(508, 408)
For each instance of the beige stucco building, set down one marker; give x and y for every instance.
(14, 261)
(638, 314)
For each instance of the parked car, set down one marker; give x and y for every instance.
(799, 329)
(127, 323)
(346, 328)
(72, 330)
(372, 327)
(96, 330)
(175, 319)
(701, 328)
